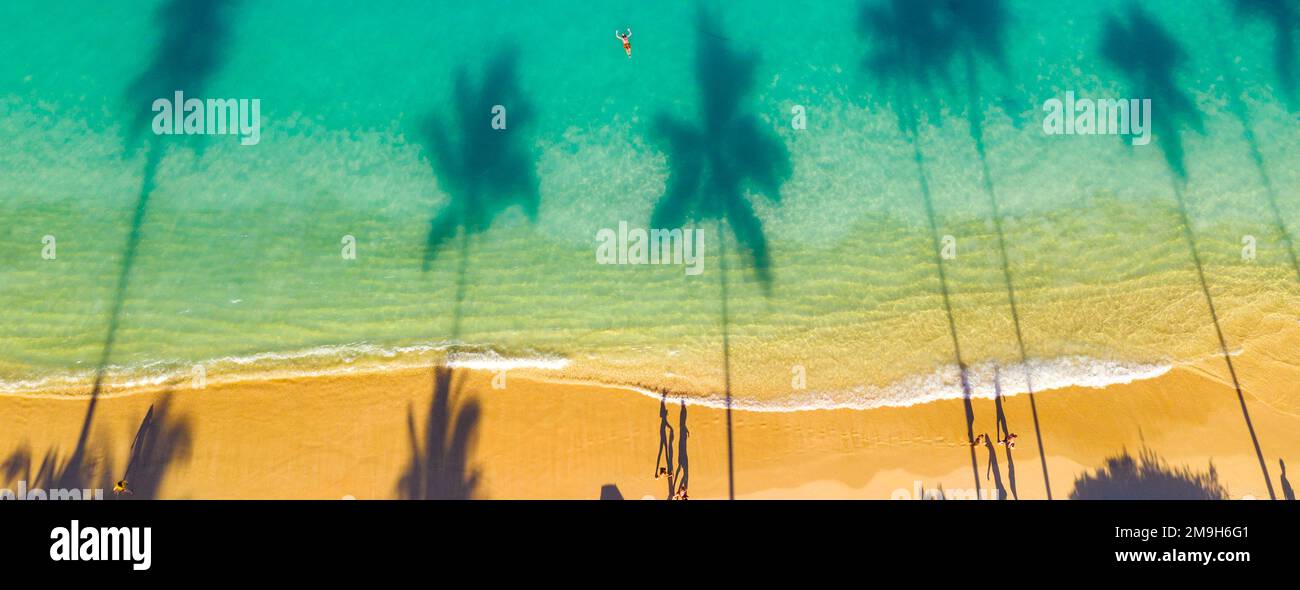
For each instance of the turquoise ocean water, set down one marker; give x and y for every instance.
(376, 124)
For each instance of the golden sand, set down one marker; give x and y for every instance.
(351, 436)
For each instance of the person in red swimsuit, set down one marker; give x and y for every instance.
(626, 38)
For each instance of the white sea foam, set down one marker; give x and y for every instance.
(494, 361)
(984, 380)
(322, 361)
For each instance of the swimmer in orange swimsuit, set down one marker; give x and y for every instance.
(626, 38)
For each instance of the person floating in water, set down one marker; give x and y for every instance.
(626, 38)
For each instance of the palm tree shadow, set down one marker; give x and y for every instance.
(439, 468)
(161, 441)
(189, 52)
(486, 169)
(715, 165)
(1149, 56)
(1284, 16)
(913, 44)
(1147, 477)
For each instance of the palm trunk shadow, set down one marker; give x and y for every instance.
(1242, 113)
(936, 249)
(1218, 330)
(976, 123)
(726, 359)
(712, 167)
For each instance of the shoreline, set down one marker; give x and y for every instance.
(336, 436)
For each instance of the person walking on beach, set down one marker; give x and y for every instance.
(978, 440)
(626, 38)
(1009, 441)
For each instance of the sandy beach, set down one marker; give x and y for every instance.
(351, 436)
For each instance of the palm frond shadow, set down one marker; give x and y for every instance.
(161, 441)
(714, 165)
(1284, 17)
(484, 170)
(1147, 477)
(440, 467)
(191, 50)
(1147, 54)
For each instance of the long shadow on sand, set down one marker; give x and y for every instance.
(1147, 477)
(714, 163)
(1141, 49)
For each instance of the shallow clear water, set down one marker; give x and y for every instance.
(237, 262)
